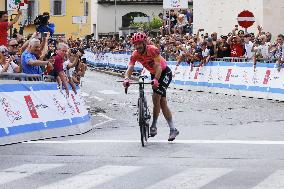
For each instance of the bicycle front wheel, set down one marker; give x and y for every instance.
(141, 120)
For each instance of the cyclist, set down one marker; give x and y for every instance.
(161, 75)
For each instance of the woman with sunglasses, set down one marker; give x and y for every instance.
(6, 62)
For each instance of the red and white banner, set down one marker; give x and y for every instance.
(19, 108)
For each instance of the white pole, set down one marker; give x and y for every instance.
(115, 17)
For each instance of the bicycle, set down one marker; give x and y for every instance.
(143, 110)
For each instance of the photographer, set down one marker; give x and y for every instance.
(42, 24)
(6, 63)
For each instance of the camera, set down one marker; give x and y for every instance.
(41, 20)
(74, 50)
(258, 42)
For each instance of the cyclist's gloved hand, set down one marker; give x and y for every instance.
(126, 82)
(155, 83)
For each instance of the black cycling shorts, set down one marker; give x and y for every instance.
(164, 81)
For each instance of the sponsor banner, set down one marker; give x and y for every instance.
(25, 106)
(114, 60)
(242, 76)
(175, 4)
(232, 75)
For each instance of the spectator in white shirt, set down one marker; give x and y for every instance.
(264, 47)
(248, 47)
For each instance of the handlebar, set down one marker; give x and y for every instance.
(135, 83)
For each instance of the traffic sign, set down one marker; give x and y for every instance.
(246, 19)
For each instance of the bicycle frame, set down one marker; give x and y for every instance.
(142, 96)
(143, 110)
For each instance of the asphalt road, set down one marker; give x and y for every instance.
(225, 142)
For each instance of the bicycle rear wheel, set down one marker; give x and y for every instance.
(142, 135)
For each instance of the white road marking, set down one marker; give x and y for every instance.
(256, 142)
(97, 98)
(109, 92)
(192, 178)
(25, 170)
(92, 178)
(84, 94)
(275, 181)
(109, 119)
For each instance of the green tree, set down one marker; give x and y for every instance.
(155, 23)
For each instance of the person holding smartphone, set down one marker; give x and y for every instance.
(6, 62)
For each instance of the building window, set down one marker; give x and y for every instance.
(57, 7)
(129, 17)
(32, 11)
(86, 8)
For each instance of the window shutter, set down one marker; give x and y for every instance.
(51, 7)
(86, 8)
(36, 9)
(63, 11)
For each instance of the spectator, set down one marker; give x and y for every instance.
(248, 47)
(173, 20)
(7, 63)
(268, 37)
(80, 70)
(241, 34)
(204, 54)
(181, 25)
(261, 48)
(223, 48)
(59, 73)
(236, 46)
(214, 37)
(5, 25)
(280, 49)
(73, 57)
(29, 58)
(252, 37)
(14, 53)
(165, 28)
(4, 61)
(212, 48)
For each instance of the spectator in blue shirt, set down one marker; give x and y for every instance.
(30, 62)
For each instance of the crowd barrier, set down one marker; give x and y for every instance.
(228, 76)
(110, 60)
(33, 110)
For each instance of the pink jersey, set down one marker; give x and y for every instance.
(147, 60)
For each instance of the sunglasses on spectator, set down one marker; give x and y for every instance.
(14, 45)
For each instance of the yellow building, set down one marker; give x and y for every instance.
(71, 17)
(2, 5)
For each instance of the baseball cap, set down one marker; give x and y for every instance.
(209, 39)
(247, 35)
